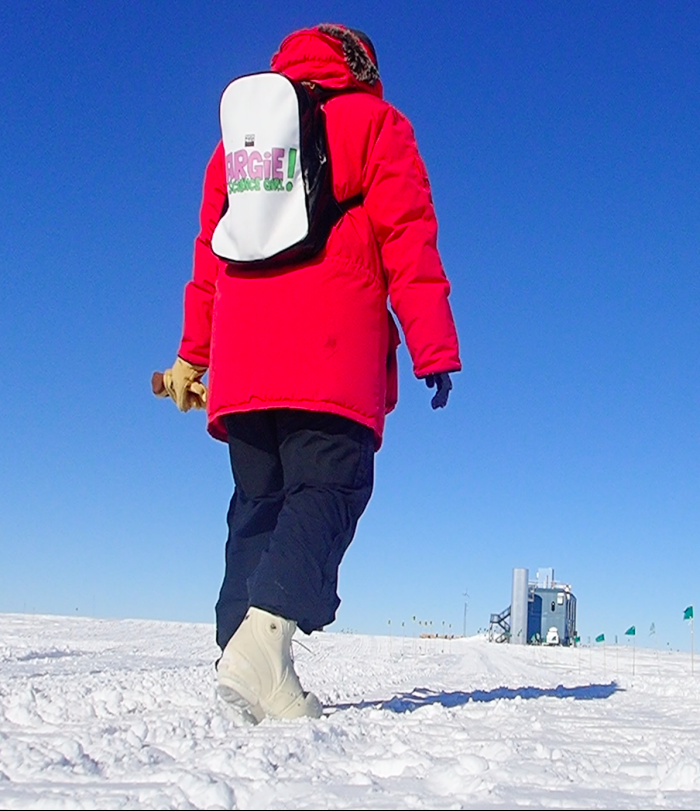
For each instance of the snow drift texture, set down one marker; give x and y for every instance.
(123, 714)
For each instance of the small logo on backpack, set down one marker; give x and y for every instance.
(249, 140)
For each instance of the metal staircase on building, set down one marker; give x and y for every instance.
(499, 627)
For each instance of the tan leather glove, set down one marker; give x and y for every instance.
(182, 383)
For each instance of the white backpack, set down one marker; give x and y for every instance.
(280, 205)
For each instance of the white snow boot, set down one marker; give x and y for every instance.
(256, 670)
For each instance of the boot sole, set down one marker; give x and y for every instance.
(251, 713)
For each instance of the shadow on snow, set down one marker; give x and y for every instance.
(420, 697)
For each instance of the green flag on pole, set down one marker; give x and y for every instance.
(600, 638)
(631, 631)
(688, 615)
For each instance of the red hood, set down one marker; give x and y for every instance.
(311, 55)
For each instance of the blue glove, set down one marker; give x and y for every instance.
(444, 384)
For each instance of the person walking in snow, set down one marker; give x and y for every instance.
(302, 369)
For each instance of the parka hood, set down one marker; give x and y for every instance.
(331, 55)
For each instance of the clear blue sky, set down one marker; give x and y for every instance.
(562, 144)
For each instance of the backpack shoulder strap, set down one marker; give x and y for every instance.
(321, 95)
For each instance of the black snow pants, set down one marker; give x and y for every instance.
(302, 481)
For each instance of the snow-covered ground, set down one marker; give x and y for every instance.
(107, 714)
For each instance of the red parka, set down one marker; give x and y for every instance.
(319, 335)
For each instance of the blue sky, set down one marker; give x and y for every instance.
(561, 141)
